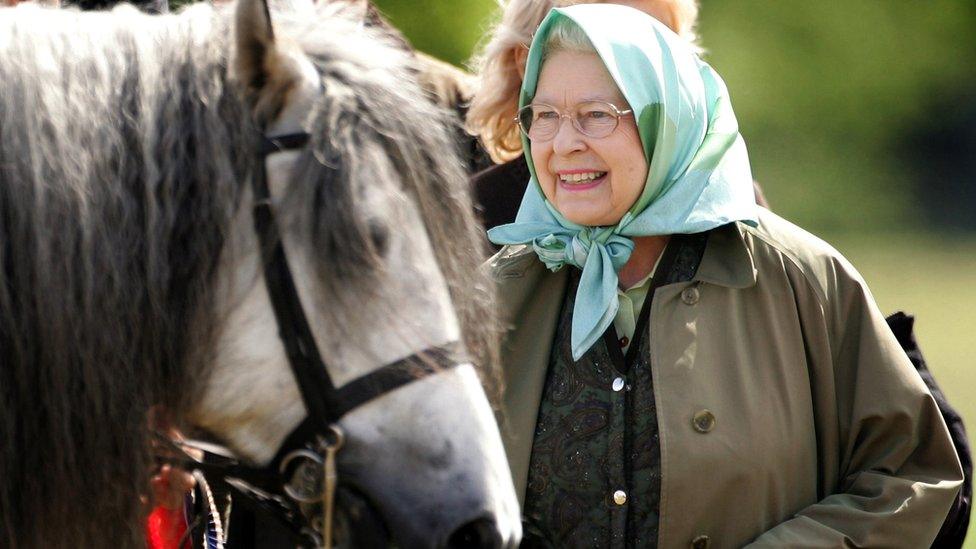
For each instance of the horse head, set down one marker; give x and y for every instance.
(360, 207)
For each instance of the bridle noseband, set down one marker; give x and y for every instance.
(297, 489)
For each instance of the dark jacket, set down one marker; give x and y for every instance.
(498, 191)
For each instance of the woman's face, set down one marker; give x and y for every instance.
(611, 170)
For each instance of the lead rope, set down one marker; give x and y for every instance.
(219, 538)
(330, 481)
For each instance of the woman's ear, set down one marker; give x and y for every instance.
(521, 55)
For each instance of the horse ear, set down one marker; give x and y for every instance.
(254, 42)
(265, 72)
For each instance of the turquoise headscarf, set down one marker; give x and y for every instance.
(698, 176)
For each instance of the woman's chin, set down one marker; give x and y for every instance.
(582, 209)
(589, 218)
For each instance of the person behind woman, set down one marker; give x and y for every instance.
(684, 367)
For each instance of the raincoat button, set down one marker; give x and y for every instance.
(620, 497)
(703, 421)
(690, 295)
(618, 384)
(701, 542)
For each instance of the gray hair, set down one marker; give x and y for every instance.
(565, 35)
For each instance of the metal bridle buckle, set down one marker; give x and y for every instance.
(314, 481)
(305, 484)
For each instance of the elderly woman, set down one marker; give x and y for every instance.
(684, 367)
(491, 115)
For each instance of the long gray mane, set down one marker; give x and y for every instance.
(125, 151)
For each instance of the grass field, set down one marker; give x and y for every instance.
(934, 278)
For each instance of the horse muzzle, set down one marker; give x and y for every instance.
(360, 522)
(436, 471)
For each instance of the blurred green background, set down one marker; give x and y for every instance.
(860, 117)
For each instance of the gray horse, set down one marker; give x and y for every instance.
(130, 274)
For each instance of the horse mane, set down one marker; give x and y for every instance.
(124, 155)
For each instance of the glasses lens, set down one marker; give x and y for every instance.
(596, 118)
(538, 121)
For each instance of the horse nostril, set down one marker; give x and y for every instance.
(482, 532)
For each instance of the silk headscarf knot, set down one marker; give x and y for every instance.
(557, 246)
(698, 170)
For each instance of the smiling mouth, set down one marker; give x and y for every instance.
(583, 177)
(582, 180)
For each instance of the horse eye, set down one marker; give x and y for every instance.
(379, 235)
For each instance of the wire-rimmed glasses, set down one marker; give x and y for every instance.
(540, 121)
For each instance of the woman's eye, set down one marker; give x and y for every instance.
(546, 115)
(596, 115)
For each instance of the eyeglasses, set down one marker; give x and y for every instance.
(596, 119)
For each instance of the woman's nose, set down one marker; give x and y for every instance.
(568, 139)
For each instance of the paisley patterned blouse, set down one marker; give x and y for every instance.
(594, 475)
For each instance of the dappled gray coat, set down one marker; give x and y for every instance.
(824, 435)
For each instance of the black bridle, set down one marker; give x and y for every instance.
(290, 489)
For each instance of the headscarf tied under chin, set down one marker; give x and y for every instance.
(698, 176)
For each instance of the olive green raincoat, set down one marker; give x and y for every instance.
(788, 414)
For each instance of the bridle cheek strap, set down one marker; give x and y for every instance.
(313, 379)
